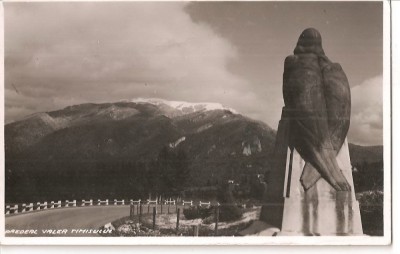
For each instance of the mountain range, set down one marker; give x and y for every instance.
(88, 150)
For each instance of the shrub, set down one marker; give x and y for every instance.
(191, 213)
(228, 210)
(197, 212)
(205, 212)
(371, 209)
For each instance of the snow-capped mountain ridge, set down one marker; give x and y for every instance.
(185, 106)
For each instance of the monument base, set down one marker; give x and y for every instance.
(311, 216)
(320, 210)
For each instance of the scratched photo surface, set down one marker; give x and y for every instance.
(205, 119)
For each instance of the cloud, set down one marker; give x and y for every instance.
(61, 54)
(367, 113)
(57, 54)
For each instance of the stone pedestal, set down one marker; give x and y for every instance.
(321, 210)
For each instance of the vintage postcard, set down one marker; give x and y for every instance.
(207, 122)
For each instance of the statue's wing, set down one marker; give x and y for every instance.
(304, 97)
(338, 103)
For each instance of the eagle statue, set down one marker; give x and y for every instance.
(316, 93)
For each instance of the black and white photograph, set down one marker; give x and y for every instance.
(206, 122)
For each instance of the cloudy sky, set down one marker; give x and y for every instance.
(60, 54)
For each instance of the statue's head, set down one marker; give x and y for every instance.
(310, 41)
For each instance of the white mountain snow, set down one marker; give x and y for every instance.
(185, 107)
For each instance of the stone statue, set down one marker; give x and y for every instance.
(317, 96)
(311, 192)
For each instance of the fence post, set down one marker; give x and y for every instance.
(176, 206)
(168, 207)
(195, 230)
(161, 207)
(131, 211)
(177, 221)
(216, 219)
(154, 218)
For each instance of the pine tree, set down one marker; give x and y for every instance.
(165, 166)
(181, 170)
